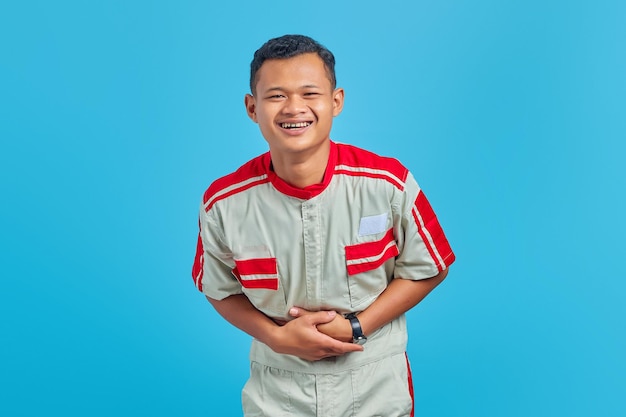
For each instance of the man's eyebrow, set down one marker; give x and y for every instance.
(279, 88)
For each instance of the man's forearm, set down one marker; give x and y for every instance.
(299, 337)
(399, 297)
(240, 312)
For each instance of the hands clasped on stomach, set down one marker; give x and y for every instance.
(314, 335)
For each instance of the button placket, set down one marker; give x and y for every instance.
(312, 252)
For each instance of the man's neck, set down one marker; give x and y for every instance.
(303, 170)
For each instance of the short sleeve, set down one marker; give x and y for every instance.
(423, 246)
(213, 263)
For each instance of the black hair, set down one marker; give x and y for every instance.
(288, 46)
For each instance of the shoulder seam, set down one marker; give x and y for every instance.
(249, 175)
(354, 161)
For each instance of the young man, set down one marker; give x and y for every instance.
(317, 249)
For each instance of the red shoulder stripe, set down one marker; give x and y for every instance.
(355, 161)
(247, 176)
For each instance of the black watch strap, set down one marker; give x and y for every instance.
(357, 333)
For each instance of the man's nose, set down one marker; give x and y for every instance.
(294, 105)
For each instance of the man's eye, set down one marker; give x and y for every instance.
(311, 94)
(276, 96)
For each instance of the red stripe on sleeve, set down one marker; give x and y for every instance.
(260, 284)
(431, 225)
(245, 270)
(261, 266)
(198, 265)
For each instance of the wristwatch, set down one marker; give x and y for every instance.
(357, 333)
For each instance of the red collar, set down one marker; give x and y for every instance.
(305, 193)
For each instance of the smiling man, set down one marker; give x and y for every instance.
(317, 249)
(294, 103)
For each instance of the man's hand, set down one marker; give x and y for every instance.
(338, 328)
(302, 337)
(399, 296)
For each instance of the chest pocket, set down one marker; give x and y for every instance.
(367, 267)
(260, 282)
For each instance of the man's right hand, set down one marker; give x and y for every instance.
(300, 337)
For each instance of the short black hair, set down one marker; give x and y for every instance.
(288, 46)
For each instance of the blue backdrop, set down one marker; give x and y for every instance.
(115, 116)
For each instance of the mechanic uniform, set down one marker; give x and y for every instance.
(330, 246)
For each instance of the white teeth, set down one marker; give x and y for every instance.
(294, 125)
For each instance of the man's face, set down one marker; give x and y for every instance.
(294, 104)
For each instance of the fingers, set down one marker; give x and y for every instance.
(307, 342)
(335, 347)
(331, 352)
(338, 349)
(317, 317)
(350, 347)
(298, 312)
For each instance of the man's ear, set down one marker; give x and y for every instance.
(250, 103)
(338, 96)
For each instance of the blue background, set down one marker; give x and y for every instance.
(115, 116)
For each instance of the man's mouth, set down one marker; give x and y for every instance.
(298, 125)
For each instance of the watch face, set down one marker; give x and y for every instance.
(360, 340)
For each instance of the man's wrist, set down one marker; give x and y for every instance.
(358, 336)
(347, 331)
(274, 338)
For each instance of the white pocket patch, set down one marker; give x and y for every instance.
(372, 225)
